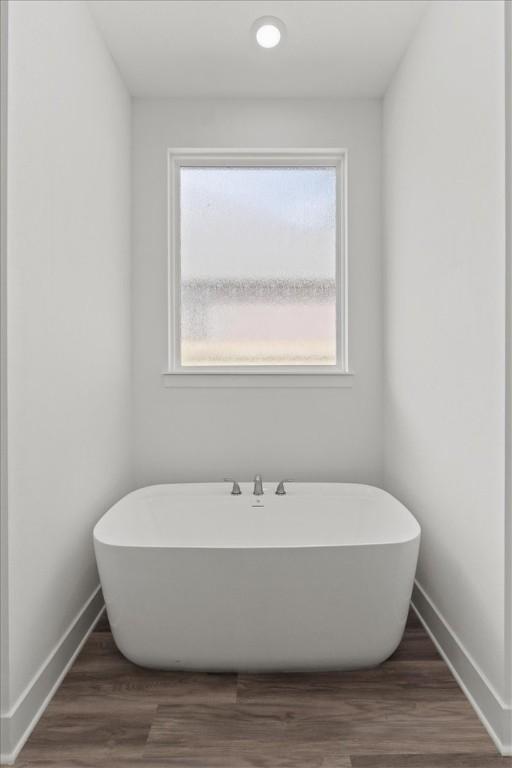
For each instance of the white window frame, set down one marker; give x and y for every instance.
(292, 375)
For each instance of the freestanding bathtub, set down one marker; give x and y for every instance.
(195, 578)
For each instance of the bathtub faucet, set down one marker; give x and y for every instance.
(235, 491)
(258, 486)
(281, 490)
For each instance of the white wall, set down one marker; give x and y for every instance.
(444, 159)
(206, 434)
(68, 321)
(508, 379)
(4, 592)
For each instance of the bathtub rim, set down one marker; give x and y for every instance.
(375, 490)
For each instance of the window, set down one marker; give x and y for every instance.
(257, 263)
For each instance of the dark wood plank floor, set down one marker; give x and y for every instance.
(407, 713)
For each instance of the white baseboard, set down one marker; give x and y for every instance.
(17, 724)
(494, 713)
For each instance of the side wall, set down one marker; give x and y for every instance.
(68, 334)
(4, 589)
(508, 380)
(207, 434)
(445, 275)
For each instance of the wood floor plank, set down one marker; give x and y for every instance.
(240, 736)
(416, 638)
(431, 761)
(404, 680)
(412, 618)
(352, 726)
(92, 762)
(88, 735)
(284, 759)
(102, 625)
(416, 645)
(101, 673)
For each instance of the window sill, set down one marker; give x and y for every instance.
(259, 379)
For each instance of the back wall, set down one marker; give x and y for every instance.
(207, 433)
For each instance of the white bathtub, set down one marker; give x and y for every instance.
(195, 578)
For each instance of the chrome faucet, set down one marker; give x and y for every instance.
(235, 491)
(281, 490)
(258, 486)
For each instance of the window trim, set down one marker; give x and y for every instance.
(249, 375)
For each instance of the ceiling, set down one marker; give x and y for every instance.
(205, 48)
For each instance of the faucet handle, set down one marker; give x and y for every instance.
(280, 490)
(235, 491)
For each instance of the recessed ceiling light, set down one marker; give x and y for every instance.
(268, 31)
(268, 36)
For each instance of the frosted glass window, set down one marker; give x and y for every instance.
(257, 266)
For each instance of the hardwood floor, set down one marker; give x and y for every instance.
(407, 713)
